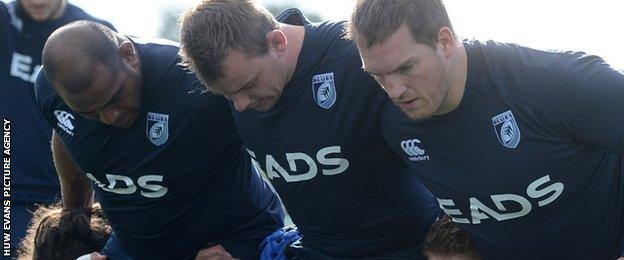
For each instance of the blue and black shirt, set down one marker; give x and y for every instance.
(530, 163)
(179, 179)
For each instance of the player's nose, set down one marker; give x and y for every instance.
(394, 86)
(109, 116)
(241, 102)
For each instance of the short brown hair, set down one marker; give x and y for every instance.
(57, 234)
(446, 239)
(373, 21)
(210, 30)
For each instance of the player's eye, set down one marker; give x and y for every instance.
(91, 115)
(250, 85)
(114, 99)
(117, 97)
(407, 68)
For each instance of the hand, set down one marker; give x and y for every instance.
(92, 256)
(214, 253)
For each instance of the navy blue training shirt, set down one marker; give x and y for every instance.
(7, 42)
(34, 178)
(322, 148)
(179, 179)
(530, 163)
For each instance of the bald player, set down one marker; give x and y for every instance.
(33, 179)
(164, 160)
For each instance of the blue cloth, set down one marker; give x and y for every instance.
(33, 178)
(274, 246)
(169, 197)
(321, 146)
(113, 250)
(530, 164)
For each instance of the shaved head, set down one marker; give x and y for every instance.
(72, 53)
(96, 71)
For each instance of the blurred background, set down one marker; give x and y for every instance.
(592, 26)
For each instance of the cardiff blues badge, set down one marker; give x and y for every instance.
(157, 128)
(506, 129)
(324, 90)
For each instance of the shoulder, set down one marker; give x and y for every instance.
(162, 74)
(510, 56)
(293, 16)
(579, 66)
(582, 78)
(330, 28)
(330, 36)
(159, 59)
(324, 44)
(553, 85)
(156, 48)
(555, 70)
(510, 70)
(43, 87)
(47, 100)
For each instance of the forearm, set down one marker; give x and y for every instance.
(75, 187)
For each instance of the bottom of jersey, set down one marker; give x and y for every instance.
(238, 213)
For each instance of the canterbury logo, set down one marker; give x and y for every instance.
(411, 148)
(414, 152)
(65, 121)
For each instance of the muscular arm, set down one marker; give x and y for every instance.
(75, 188)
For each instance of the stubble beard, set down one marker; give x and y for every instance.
(438, 100)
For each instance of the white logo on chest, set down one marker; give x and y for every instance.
(412, 150)
(506, 129)
(324, 90)
(542, 190)
(157, 128)
(64, 121)
(329, 164)
(149, 186)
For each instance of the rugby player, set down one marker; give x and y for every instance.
(446, 241)
(521, 147)
(310, 119)
(33, 179)
(163, 157)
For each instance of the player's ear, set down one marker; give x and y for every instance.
(128, 54)
(446, 41)
(276, 39)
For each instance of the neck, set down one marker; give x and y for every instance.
(294, 35)
(458, 73)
